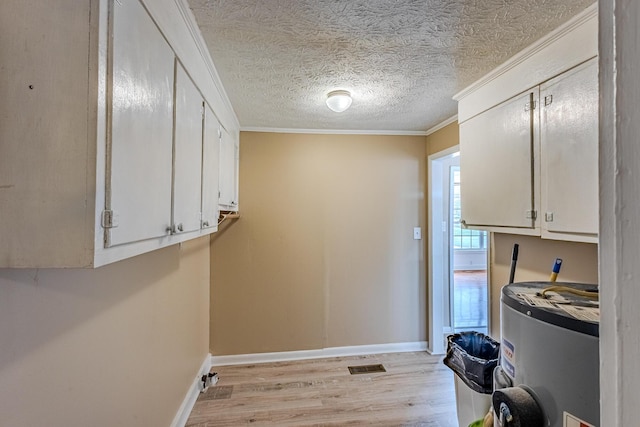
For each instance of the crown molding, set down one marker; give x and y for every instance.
(442, 124)
(196, 35)
(333, 131)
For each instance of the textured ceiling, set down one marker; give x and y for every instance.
(402, 60)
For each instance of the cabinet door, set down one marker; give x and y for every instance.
(187, 154)
(210, 170)
(141, 113)
(228, 171)
(496, 165)
(569, 151)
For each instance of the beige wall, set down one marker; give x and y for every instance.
(444, 138)
(323, 254)
(536, 256)
(115, 346)
(535, 259)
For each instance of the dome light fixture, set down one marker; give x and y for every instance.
(338, 100)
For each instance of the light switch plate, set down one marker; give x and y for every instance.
(417, 233)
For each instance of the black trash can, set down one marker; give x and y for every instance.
(472, 356)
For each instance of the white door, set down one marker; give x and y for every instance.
(188, 154)
(210, 169)
(496, 161)
(139, 173)
(569, 151)
(451, 299)
(228, 171)
(468, 291)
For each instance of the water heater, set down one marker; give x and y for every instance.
(549, 367)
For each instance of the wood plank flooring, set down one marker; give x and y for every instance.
(470, 300)
(416, 390)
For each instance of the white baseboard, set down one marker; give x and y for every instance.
(241, 359)
(192, 395)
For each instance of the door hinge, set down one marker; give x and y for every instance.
(530, 106)
(109, 219)
(531, 215)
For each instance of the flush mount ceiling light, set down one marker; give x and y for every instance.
(338, 100)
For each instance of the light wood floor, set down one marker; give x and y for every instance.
(416, 390)
(470, 300)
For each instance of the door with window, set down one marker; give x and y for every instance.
(468, 278)
(458, 291)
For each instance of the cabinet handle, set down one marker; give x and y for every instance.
(205, 223)
(173, 229)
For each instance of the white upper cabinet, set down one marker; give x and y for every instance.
(210, 170)
(496, 165)
(229, 162)
(106, 149)
(569, 154)
(141, 127)
(529, 162)
(187, 173)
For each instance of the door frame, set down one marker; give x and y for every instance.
(440, 256)
(437, 261)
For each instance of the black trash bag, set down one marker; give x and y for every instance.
(473, 356)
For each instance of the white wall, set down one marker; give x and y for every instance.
(619, 212)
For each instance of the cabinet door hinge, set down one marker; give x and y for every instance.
(548, 216)
(548, 100)
(109, 219)
(531, 214)
(530, 106)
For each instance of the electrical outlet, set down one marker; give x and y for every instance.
(213, 378)
(417, 233)
(208, 380)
